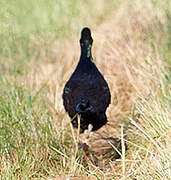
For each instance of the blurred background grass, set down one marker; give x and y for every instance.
(38, 51)
(30, 27)
(22, 22)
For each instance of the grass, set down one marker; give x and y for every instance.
(38, 52)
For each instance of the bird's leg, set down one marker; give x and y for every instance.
(79, 119)
(90, 127)
(84, 142)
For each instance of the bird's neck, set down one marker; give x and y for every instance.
(86, 53)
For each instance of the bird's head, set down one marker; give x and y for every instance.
(84, 107)
(86, 39)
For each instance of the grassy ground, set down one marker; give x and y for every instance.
(39, 50)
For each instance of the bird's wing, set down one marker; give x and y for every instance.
(99, 95)
(73, 90)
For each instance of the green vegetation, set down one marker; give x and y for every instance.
(38, 52)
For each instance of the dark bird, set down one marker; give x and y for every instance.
(86, 93)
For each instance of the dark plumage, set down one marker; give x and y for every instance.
(86, 92)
